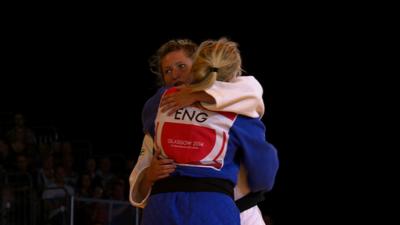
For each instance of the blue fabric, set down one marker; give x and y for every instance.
(149, 111)
(184, 208)
(258, 156)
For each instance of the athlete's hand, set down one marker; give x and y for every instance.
(181, 98)
(159, 168)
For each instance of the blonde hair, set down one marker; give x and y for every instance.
(216, 58)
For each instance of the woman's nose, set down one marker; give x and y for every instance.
(175, 74)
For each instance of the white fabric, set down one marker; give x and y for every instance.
(242, 96)
(251, 216)
(144, 160)
(242, 188)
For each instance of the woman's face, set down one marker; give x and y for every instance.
(176, 68)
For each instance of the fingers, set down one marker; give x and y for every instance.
(157, 153)
(160, 159)
(166, 99)
(164, 170)
(172, 110)
(167, 169)
(160, 167)
(169, 104)
(163, 176)
(178, 88)
(165, 161)
(168, 107)
(183, 87)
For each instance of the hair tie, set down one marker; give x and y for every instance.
(213, 69)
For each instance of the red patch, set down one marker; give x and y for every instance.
(187, 147)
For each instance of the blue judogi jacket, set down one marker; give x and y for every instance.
(206, 144)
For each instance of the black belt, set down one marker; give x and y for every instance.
(193, 184)
(249, 200)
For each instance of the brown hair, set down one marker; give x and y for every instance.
(188, 46)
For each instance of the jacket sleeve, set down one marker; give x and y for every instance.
(150, 110)
(242, 96)
(144, 160)
(259, 157)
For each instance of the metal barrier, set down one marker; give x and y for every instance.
(100, 211)
(55, 205)
(46, 134)
(19, 203)
(60, 208)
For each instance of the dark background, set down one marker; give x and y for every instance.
(90, 79)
